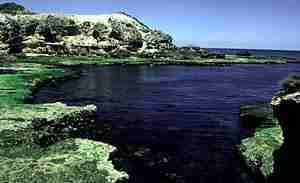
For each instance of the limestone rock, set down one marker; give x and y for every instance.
(55, 34)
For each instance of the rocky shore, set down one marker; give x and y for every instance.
(47, 142)
(51, 142)
(271, 151)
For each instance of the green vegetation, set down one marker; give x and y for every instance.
(72, 160)
(53, 28)
(264, 152)
(13, 8)
(16, 87)
(44, 143)
(257, 150)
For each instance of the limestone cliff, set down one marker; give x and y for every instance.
(54, 34)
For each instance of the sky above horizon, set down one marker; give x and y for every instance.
(255, 24)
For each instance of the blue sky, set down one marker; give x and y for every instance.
(261, 24)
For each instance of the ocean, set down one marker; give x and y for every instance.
(292, 56)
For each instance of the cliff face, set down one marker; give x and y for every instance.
(52, 34)
(287, 110)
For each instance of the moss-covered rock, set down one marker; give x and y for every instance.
(266, 137)
(39, 143)
(72, 160)
(272, 151)
(257, 151)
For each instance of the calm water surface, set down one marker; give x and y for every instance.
(192, 112)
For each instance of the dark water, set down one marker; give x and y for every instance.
(191, 113)
(290, 55)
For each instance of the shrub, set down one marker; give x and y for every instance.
(14, 37)
(86, 27)
(100, 31)
(53, 27)
(3, 32)
(125, 32)
(29, 27)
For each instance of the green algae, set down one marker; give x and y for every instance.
(15, 88)
(72, 160)
(43, 143)
(257, 151)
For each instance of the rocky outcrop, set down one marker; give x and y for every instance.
(53, 34)
(287, 110)
(272, 153)
(264, 136)
(45, 142)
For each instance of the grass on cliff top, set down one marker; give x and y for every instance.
(21, 159)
